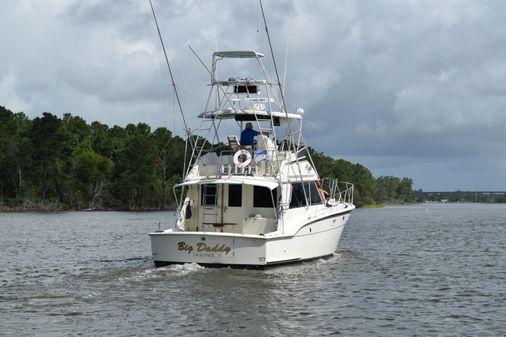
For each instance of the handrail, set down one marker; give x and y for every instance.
(223, 164)
(339, 191)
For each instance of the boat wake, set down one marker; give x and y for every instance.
(183, 269)
(161, 273)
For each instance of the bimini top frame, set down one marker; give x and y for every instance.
(247, 114)
(254, 107)
(237, 54)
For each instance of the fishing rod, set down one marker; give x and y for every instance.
(187, 129)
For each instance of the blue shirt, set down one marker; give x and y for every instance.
(247, 137)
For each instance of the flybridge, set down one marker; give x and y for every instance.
(253, 102)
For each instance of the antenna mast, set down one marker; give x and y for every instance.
(187, 130)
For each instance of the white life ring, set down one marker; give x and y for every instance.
(241, 153)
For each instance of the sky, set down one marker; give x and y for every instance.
(410, 88)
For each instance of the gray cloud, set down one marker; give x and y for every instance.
(406, 88)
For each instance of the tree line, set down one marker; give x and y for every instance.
(65, 163)
(368, 189)
(463, 196)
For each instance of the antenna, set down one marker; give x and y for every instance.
(286, 63)
(187, 130)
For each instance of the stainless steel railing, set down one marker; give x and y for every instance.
(339, 191)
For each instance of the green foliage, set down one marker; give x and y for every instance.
(67, 163)
(47, 138)
(15, 153)
(394, 190)
(91, 175)
(135, 175)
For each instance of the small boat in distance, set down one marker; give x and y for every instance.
(251, 204)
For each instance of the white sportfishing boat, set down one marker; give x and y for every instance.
(251, 205)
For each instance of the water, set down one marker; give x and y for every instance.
(423, 270)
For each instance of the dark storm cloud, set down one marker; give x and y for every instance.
(411, 88)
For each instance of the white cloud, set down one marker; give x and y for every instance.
(460, 98)
(8, 91)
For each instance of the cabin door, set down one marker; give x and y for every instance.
(209, 201)
(234, 210)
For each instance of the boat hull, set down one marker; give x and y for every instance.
(315, 239)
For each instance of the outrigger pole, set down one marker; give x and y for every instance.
(187, 129)
(296, 145)
(276, 70)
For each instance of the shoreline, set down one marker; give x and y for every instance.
(21, 209)
(5, 211)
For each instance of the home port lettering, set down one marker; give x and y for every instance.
(203, 247)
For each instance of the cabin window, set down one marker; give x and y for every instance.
(262, 197)
(315, 195)
(246, 89)
(209, 194)
(234, 195)
(301, 190)
(298, 198)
